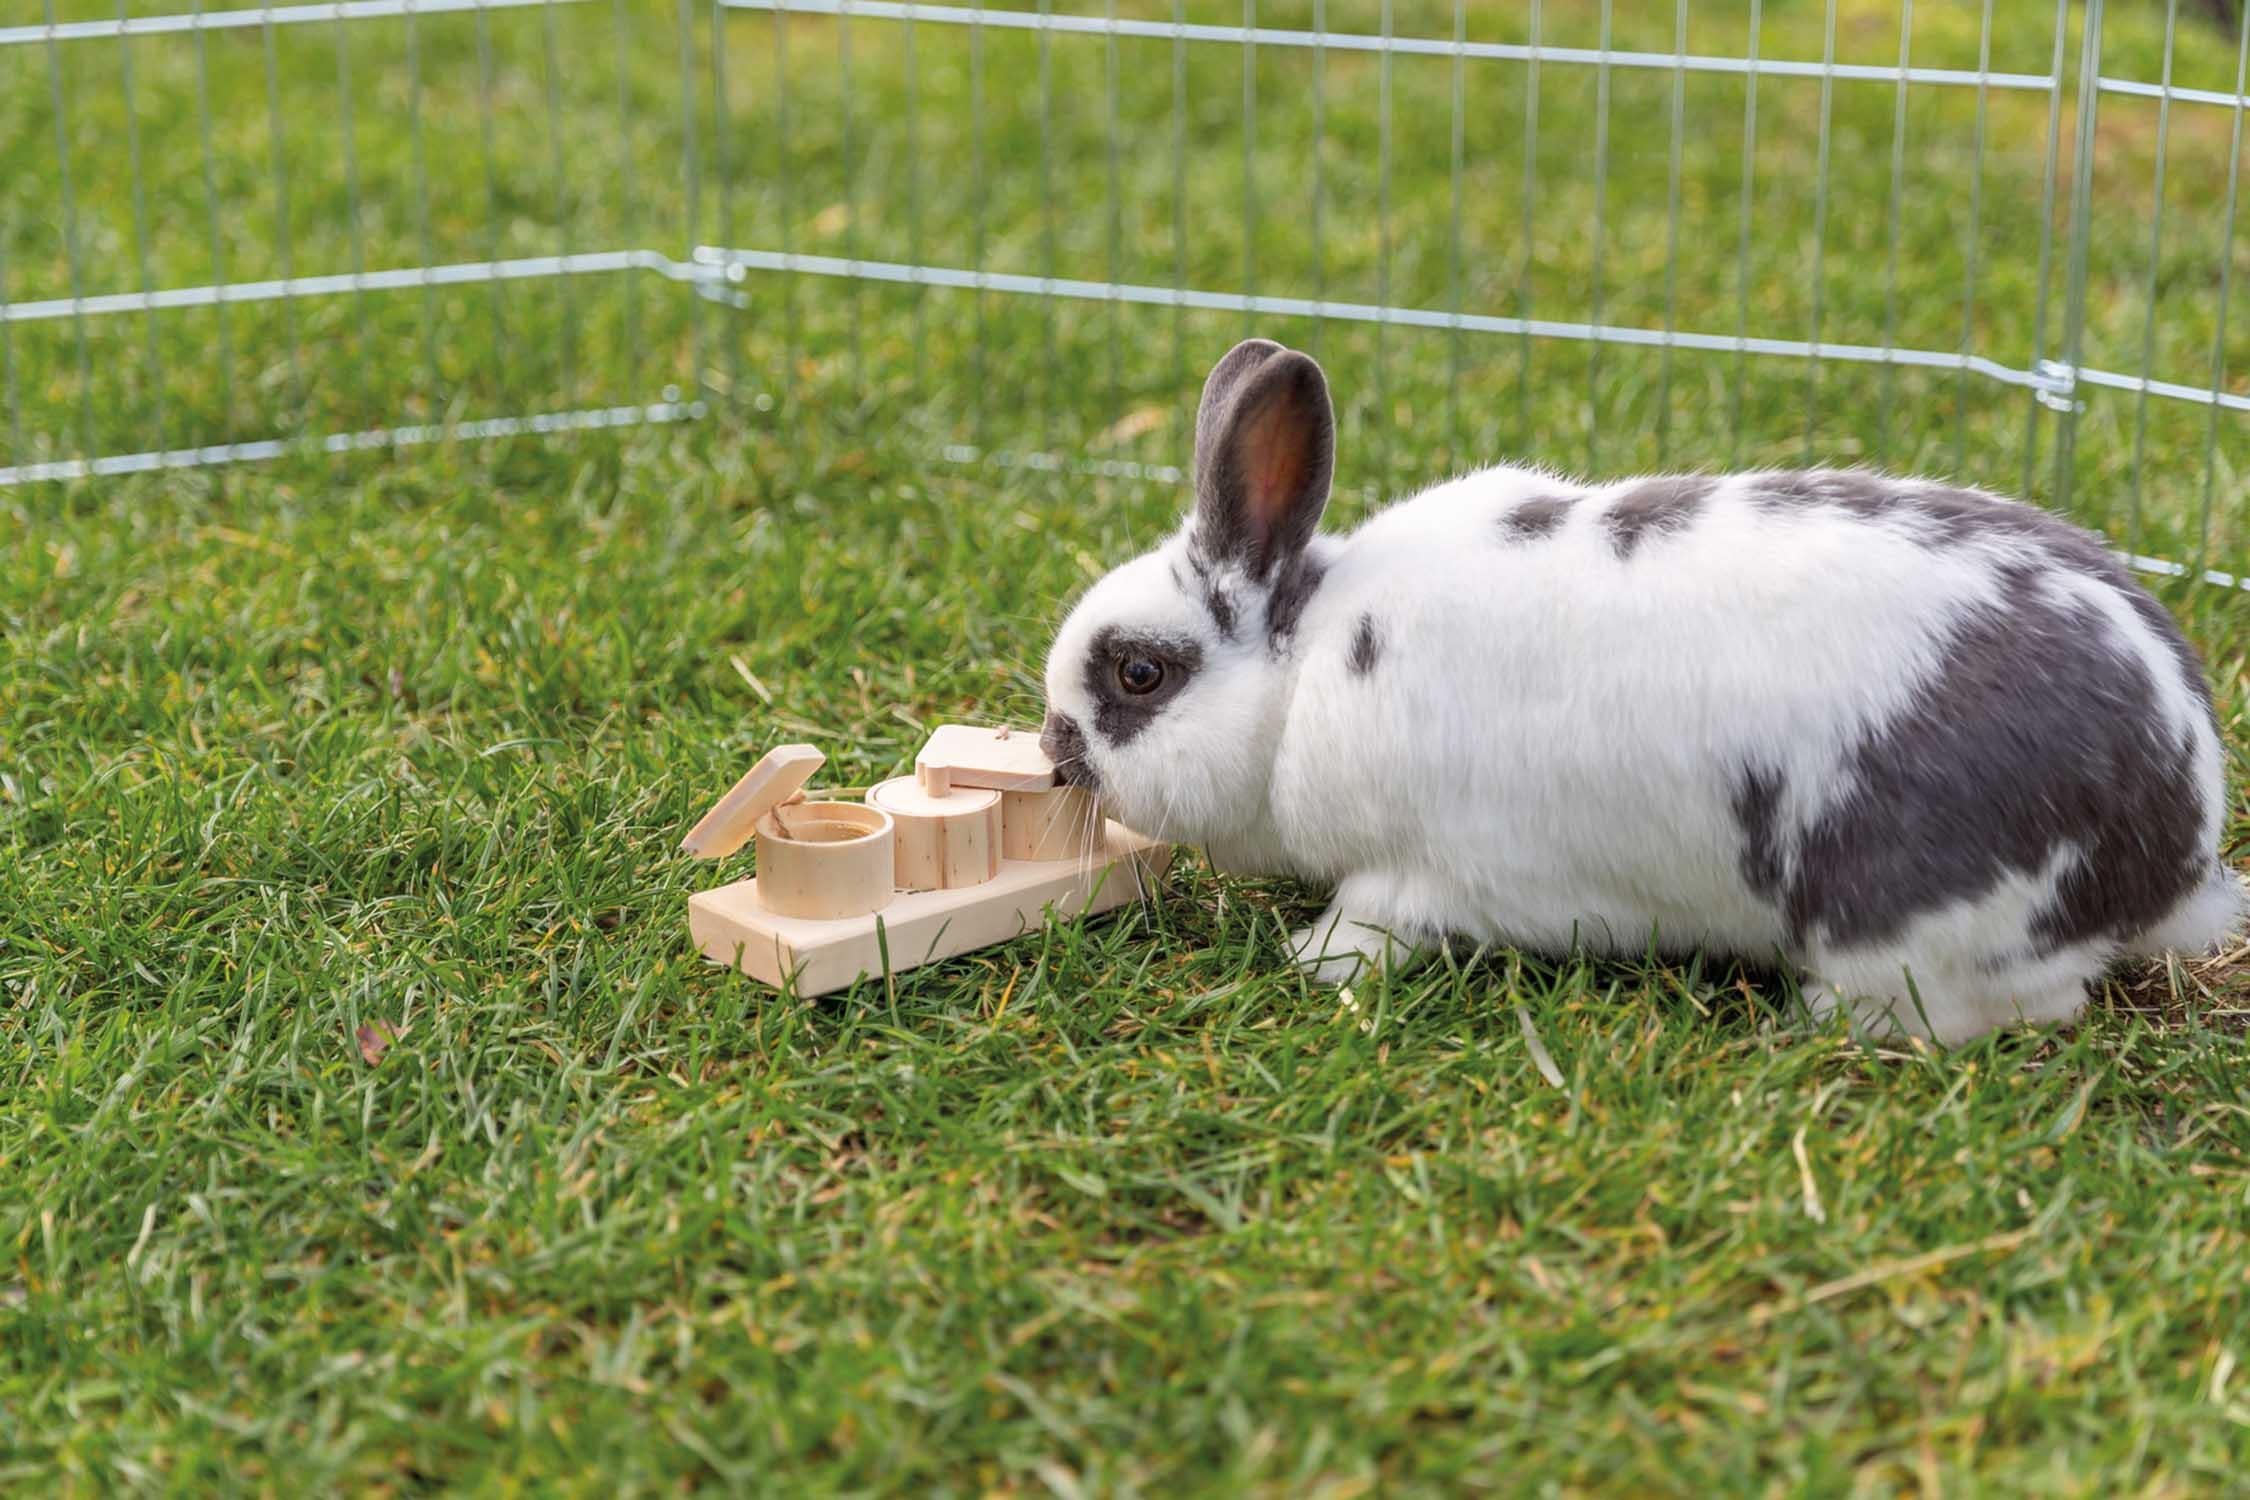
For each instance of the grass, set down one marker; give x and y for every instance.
(366, 1124)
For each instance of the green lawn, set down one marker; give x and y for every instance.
(302, 757)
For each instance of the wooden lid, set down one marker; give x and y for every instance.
(781, 773)
(907, 795)
(1000, 760)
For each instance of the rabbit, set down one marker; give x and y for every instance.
(1934, 752)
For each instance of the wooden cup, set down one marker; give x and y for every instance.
(825, 860)
(946, 840)
(1058, 823)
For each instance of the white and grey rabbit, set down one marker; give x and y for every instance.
(1934, 750)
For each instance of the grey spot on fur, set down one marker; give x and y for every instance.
(1942, 516)
(1287, 602)
(1367, 647)
(1217, 602)
(1960, 517)
(2035, 733)
(1536, 518)
(1867, 496)
(1757, 811)
(1654, 507)
(1221, 606)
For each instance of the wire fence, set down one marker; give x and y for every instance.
(1996, 241)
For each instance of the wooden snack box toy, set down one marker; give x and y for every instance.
(970, 850)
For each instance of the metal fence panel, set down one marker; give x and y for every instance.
(1994, 241)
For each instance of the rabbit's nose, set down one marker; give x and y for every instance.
(1065, 745)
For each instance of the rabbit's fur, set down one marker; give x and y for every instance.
(1934, 750)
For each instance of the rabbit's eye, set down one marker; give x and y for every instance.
(1139, 675)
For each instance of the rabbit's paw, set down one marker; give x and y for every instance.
(1346, 942)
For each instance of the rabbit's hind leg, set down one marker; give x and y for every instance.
(1948, 995)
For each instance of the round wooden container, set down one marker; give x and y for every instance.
(945, 840)
(825, 860)
(1058, 823)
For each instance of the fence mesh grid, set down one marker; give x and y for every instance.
(1996, 241)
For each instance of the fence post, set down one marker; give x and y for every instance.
(691, 172)
(2064, 396)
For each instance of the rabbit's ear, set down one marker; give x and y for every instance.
(1265, 450)
(1220, 385)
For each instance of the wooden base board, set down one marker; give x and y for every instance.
(918, 927)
